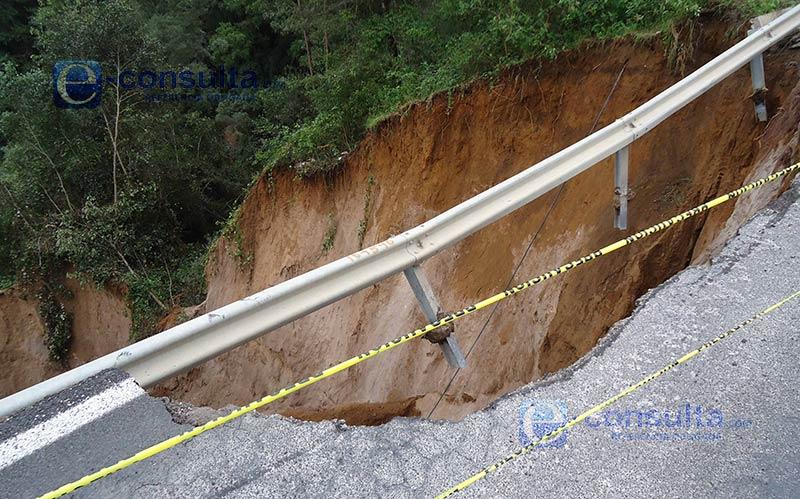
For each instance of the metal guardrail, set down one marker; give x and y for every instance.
(189, 344)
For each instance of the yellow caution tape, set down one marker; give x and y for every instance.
(599, 407)
(172, 442)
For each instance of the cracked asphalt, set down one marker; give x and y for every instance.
(742, 391)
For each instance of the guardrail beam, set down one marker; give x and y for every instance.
(433, 312)
(621, 188)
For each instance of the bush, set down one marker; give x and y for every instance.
(151, 294)
(57, 326)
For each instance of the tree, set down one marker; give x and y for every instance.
(16, 42)
(125, 192)
(111, 32)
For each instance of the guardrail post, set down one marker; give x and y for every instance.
(759, 81)
(433, 311)
(621, 188)
(759, 87)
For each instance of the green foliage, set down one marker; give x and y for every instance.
(359, 63)
(752, 8)
(7, 250)
(127, 191)
(16, 42)
(181, 287)
(6, 281)
(129, 229)
(57, 325)
(189, 280)
(232, 232)
(330, 234)
(145, 313)
(229, 45)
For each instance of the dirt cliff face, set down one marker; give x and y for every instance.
(22, 350)
(442, 152)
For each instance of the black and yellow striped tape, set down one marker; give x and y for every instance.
(603, 405)
(172, 442)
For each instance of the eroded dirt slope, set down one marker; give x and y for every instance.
(441, 153)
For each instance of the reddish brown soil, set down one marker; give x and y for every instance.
(440, 153)
(23, 354)
(360, 414)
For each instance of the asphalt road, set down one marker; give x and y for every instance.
(742, 391)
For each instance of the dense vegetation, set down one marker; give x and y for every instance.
(133, 191)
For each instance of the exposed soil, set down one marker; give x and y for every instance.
(444, 151)
(360, 414)
(22, 351)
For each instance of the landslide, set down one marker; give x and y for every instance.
(442, 152)
(429, 158)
